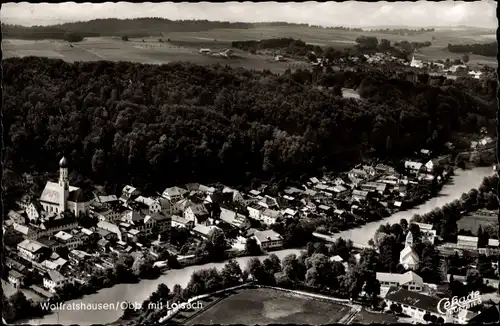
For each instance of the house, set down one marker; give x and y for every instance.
(268, 239)
(103, 245)
(156, 222)
(153, 204)
(205, 51)
(53, 280)
(178, 221)
(34, 211)
(203, 230)
(237, 196)
(16, 279)
(414, 304)
(431, 165)
(293, 190)
(413, 167)
(268, 202)
(370, 170)
(198, 214)
(425, 152)
(493, 243)
(16, 217)
(31, 250)
(231, 217)
(289, 212)
(110, 227)
(219, 198)
(68, 240)
(359, 195)
(174, 193)
(108, 199)
(255, 211)
(270, 216)
(356, 174)
(385, 169)
(465, 242)
(408, 281)
(379, 187)
(107, 212)
(129, 193)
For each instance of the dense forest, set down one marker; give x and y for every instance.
(487, 49)
(155, 126)
(137, 27)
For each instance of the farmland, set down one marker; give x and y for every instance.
(184, 46)
(266, 306)
(366, 317)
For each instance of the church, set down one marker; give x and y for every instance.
(58, 197)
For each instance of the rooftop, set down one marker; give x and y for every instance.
(267, 235)
(414, 299)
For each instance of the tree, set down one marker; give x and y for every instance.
(465, 58)
(427, 317)
(474, 280)
(440, 320)
(231, 273)
(272, 264)
(252, 248)
(124, 38)
(292, 268)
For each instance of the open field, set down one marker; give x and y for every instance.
(266, 306)
(366, 317)
(151, 51)
(184, 46)
(471, 222)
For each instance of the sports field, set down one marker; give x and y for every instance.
(267, 306)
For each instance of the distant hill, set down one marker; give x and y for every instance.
(138, 27)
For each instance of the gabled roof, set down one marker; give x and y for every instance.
(399, 278)
(31, 245)
(51, 192)
(414, 299)
(55, 276)
(174, 192)
(267, 235)
(408, 253)
(76, 196)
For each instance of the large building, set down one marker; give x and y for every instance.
(58, 197)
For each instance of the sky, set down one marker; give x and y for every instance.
(350, 13)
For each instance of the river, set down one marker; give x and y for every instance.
(462, 182)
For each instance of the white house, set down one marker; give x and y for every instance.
(414, 167)
(15, 278)
(270, 216)
(409, 280)
(153, 204)
(53, 279)
(466, 242)
(413, 304)
(31, 249)
(196, 213)
(268, 239)
(174, 193)
(237, 196)
(255, 211)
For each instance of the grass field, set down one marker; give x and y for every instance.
(266, 306)
(185, 46)
(472, 222)
(366, 317)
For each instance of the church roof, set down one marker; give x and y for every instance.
(63, 162)
(51, 192)
(76, 196)
(408, 253)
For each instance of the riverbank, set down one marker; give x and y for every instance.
(463, 181)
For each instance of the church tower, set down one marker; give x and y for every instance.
(409, 239)
(63, 184)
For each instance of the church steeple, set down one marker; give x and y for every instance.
(64, 184)
(409, 239)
